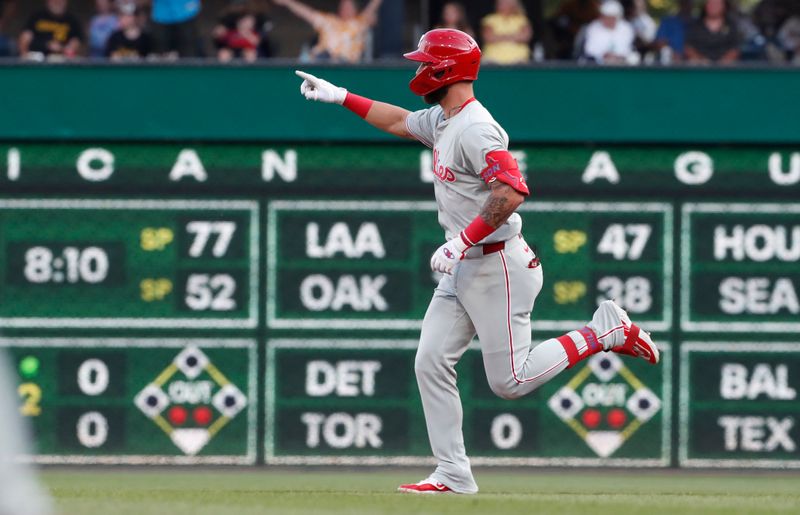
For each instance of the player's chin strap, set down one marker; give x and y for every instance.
(358, 104)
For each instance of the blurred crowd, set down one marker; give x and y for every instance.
(704, 32)
(613, 32)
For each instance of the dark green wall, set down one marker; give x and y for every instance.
(536, 105)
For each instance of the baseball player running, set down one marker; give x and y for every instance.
(491, 276)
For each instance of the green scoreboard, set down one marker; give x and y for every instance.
(241, 304)
(128, 263)
(741, 267)
(356, 402)
(94, 400)
(365, 264)
(739, 404)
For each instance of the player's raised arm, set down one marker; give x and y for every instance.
(386, 117)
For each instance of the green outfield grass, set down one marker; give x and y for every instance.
(293, 491)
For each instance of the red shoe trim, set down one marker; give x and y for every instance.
(630, 341)
(425, 487)
(635, 347)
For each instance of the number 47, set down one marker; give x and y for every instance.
(615, 240)
(202, 232)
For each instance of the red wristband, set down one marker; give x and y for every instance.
(357, 104)
(476, 231)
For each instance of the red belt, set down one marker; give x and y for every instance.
(491, 248)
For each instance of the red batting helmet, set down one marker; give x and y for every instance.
(447, 56)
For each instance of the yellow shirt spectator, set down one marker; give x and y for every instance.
(341, 39)
(341, 36)
(506, 49)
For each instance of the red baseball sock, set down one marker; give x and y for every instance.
(579, 345)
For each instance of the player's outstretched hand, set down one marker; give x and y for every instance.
(314, 88)
(446, 257)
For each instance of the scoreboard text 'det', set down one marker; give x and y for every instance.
(356, 402)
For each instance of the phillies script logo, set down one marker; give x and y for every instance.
(442, 172)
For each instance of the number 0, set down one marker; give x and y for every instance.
(92, 429)
(93, 377)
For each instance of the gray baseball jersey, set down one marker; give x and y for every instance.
(476, 298)
(489, 294)
(460, 145)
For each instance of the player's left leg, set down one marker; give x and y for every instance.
(446, 334)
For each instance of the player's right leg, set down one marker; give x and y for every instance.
(446, 334)
(498, 291)
(523, 368)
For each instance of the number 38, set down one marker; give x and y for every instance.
(634, 293)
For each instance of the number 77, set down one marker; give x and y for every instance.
(202, 232)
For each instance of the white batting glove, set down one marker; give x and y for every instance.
(314, 88)
(446, 257)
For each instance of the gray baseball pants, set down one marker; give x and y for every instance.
(490, 295)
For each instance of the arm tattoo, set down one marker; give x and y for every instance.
(497, 208)
(495, 211)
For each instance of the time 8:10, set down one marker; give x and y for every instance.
(69, 265)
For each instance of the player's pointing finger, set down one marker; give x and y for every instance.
(304, 75)
(314, 88)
